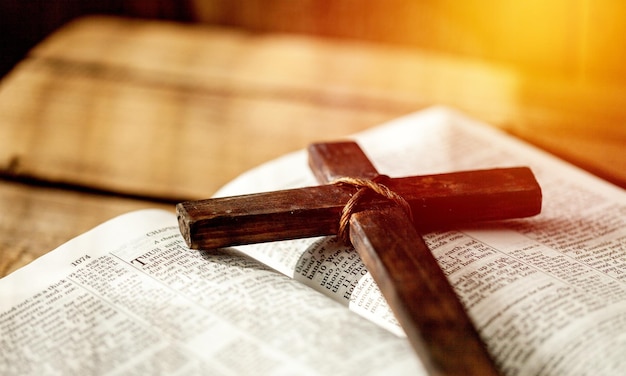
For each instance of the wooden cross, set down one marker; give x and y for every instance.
(406, 272)
(384, 235)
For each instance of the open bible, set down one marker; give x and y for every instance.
(547, 294)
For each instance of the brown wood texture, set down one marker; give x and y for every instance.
(330, 161)
(408, 275)
(435, 200)
(163, 109)
(168, 112)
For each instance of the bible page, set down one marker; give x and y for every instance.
(130, 298)
(547, 294)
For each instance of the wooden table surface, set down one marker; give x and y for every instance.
(110, 115)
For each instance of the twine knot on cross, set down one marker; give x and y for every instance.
(366, 186)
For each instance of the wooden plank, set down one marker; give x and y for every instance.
(127, 138)
(36, 220)
(140, 107)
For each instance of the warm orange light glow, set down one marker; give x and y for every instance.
(580, 40)
(577, 40)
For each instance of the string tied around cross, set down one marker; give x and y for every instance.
(365, 186)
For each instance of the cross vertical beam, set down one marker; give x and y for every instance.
(408, 275)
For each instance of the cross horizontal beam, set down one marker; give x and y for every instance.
(435, 200)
